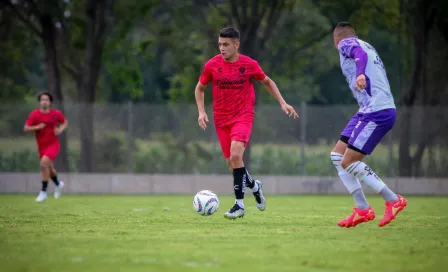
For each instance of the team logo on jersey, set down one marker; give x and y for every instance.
(220, 69)
(242, 70)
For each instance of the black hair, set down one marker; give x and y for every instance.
(229, 32)
(345, 29)
(47, 94)
(344, 25)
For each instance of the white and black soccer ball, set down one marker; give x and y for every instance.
(205, 202)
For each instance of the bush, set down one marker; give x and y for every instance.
(176, 156)
(110, 155)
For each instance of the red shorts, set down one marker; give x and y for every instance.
(50, 151)
(239, 131)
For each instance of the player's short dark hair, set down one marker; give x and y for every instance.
(344, 25)
(345, 29)
(229, 32)
(47, 94)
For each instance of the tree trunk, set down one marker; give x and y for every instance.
(431, 171)
(415, 15)
(86, 136)
(96, 33)
(404, 159)
(54, 82)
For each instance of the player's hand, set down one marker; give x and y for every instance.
(290, 111)
(58, 131)
(40, 126)
(360, 83)
(202, 120)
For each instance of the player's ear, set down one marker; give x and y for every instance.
(237, 44)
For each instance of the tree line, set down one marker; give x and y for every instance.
(93, 51)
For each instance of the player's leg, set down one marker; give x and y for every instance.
(362, 211)
(45, 169)
(239, 172)
(255, 185)
(240, 135)
(52, 152)
(54, 175)
(251, 183)
(223, 134)
(229, 164)
(350, 182)
(239, 179)
(59, 184)
(366, 137)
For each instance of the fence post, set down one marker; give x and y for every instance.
(390, 145)
(302, 137)
(129, 138)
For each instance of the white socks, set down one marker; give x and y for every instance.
(240, 203)
(350, 181)
(359, 171)
(366, 175)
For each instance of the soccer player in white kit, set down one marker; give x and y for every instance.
(367, 79)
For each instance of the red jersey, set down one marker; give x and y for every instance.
(51, 119)
(233, 91)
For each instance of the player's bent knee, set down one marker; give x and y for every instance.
(348, 160)
(351, 156)
(340, 147)
(45, 162)
(345, 163)
(236, 158)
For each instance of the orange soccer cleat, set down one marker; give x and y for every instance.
(357, 217)
(392, 209)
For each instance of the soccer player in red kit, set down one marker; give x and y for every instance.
(47, 124)
(233, 108)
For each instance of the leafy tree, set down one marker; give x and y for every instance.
(18, 53)
(40, 18)
(424, 29)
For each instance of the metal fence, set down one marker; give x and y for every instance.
(145, 138)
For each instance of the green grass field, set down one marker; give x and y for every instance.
(162, 233)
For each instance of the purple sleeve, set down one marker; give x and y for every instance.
(360, 58)
(350, 48)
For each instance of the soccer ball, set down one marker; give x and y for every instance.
(205, 202)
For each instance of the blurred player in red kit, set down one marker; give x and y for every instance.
(233, 109)
(47, 124)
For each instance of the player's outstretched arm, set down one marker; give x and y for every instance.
(275, 92)
(199, 95)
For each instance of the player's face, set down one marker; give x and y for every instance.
(44, 102)
(228, 47)
(335, 39)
